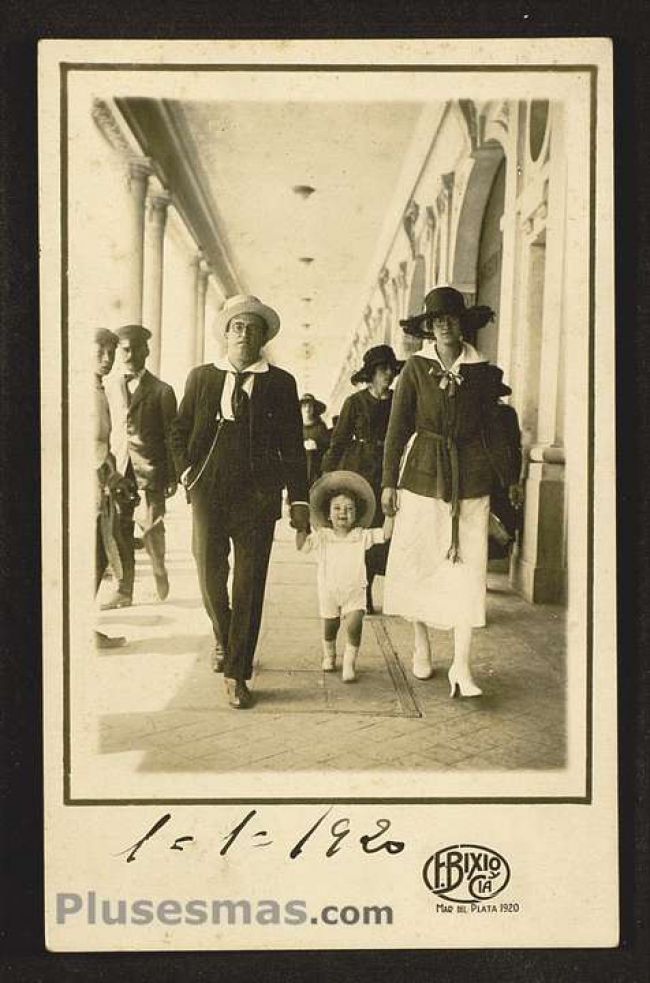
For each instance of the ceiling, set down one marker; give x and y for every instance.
(252, 155)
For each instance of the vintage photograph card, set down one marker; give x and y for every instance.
(329, 565)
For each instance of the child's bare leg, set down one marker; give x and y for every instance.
(353, 627)
(330, 631)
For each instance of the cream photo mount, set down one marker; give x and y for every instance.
(572, 76)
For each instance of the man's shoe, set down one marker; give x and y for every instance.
(217, 657)
(239, 695)
(103, 641)
(117, 601)
(162, 585)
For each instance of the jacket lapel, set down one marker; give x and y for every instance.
(217, 382)
(259, 396)
(145, 384)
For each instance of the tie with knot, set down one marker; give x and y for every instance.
(239, 395)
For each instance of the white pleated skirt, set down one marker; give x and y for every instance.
(421, 583)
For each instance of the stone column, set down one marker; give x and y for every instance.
(539, 570)
(154, 243)
(191, 342)
(203, 274)
(139, 169)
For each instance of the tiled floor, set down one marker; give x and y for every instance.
(174, 716)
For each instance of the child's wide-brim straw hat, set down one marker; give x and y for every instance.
(338, 483)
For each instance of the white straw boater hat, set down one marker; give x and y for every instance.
(247, 304)
(341, 483)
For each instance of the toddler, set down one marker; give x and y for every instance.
(343, 505)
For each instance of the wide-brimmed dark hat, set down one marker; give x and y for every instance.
(379, 355)
(319, 408)
(106, 338)
(446, 300)
(133, 332)
(341, 483)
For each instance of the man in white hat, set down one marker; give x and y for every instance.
(237, 442)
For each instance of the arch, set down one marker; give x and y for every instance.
(470, 220)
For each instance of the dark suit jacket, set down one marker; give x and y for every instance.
(148, 421)
(277, 455)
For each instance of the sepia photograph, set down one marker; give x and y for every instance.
(333, 342)
(329, 567)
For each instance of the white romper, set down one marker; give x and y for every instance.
(342, 568)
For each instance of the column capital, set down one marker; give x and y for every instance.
(157, 205)
(139, 168)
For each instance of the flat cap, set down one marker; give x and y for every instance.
(133, 332)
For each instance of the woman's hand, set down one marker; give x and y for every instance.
(389, 501)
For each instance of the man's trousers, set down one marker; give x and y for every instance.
(235, 624)
(149, 517)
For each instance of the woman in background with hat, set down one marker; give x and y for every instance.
(315, 435)
(358, 439)
(442, 449)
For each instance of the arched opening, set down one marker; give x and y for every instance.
(487, 161)
(488, 273)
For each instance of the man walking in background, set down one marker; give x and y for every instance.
(142, 411)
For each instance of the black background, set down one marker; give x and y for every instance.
(22, 24)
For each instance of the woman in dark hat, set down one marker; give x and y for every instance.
(358, 439)
(315, 435)
(443, 449)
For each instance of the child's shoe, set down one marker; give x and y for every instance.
(349, 660)
(329, 656)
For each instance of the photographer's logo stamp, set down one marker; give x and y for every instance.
(466, 873)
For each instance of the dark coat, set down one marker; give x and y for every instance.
(464, 416)
(357, 442)
(277, 455)
(149, 417)
(318, 432)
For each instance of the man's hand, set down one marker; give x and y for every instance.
(299, 517)
(389, 501)
(516, 495)
(310, 445)
(170, 489)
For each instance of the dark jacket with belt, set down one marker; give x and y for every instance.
(277, 454)
(140, 430)
(358, 440)
(459, 440)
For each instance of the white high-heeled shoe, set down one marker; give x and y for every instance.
(422, 668)
(463, 683)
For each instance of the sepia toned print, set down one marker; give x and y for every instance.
(336, 328)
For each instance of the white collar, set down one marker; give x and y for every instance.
(468, 355)
(260, 366)
(352, 536)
